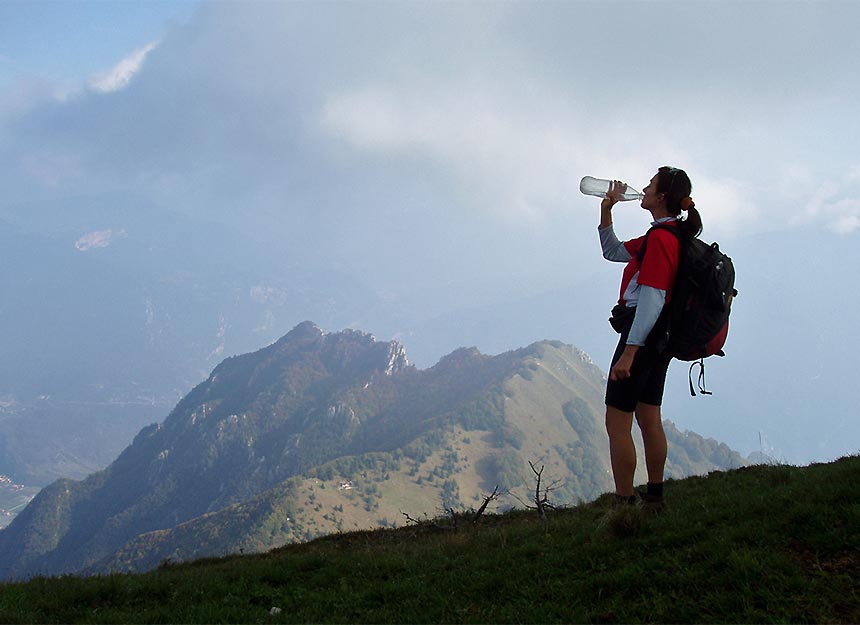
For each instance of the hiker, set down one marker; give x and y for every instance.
(639, 365)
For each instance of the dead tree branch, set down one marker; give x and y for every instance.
(541, 498)
(432, 523)
(409, 519)
(455, 517)
(491, 497)
(539, 501)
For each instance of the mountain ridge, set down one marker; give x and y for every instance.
(254, 457)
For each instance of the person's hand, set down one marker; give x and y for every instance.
(616, 190)
(621, 369)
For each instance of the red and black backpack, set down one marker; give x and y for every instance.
(695, 322)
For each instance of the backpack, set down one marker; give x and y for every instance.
(695, 323)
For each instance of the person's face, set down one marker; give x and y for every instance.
(651, 199)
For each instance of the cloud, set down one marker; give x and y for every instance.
(832, 203)
(121, 74)
(727, 206)
(499, 154)
(494, 107)
(847, 224)
(522, 155)
(97, 239)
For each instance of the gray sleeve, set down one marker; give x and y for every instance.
(650, 305)
(613, 249)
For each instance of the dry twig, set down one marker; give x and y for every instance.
(491, 497)
(541, 499)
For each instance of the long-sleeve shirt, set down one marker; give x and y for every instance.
(645, 285)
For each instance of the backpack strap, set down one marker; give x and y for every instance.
(663, 321)
(676, 230)
(701, 380)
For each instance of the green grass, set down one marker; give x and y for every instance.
(766, 544)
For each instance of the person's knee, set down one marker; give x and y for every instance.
(618, 422)
(649, 417)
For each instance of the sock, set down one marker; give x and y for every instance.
(655, 490)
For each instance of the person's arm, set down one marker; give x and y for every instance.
(616, 190)
(613, 249)
(648, 309)
(606, 211)
(654, 274)
(621, 368)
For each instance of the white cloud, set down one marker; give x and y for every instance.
(833, 203)
(727, 206)
(505, 108)
(846, 224)
(97, 239)
(516, 156)
(522, 155)
(121, 74)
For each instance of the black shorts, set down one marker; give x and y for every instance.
(646, 381)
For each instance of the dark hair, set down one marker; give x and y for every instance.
(676, 185)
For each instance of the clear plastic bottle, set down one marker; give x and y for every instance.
(600, 188)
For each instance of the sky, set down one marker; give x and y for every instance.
(63, 43)
(435, 151)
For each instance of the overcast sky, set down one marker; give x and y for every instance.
(508, 103)
(454, 134)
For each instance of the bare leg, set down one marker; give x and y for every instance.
(622, 451)
(651, 423)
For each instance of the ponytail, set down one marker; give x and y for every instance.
(692, 223)
(676, 186)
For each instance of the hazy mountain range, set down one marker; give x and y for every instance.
(322, 432)
(109, 318)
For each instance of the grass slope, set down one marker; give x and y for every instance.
(759, 544)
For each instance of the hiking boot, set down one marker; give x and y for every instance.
(620, 501)
(652, 504)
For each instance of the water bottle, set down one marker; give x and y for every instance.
(600, 188)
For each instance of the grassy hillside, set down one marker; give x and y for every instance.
(758, 544)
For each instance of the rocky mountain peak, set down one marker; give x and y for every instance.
(303, 331)
(462, 357)
(397, 360)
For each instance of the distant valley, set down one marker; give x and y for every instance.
(13, 498)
